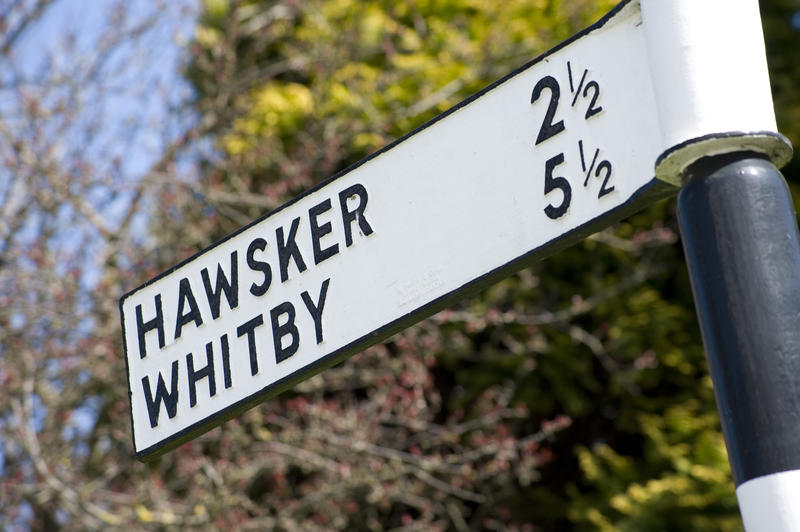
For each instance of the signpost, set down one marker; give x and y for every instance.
(591, 131)
(535, 162)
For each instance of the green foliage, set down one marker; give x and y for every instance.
(781, 21)
(781, 33)
(599, 342)
(571, 396)
(316, 86)
(623, 359)
(691, 490)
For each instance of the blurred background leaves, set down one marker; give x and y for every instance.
(571, 396)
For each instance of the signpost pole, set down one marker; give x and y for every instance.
(742, 249)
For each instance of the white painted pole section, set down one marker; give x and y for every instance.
(709, 71)
(771, 503)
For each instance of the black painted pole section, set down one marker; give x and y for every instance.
(740, 236)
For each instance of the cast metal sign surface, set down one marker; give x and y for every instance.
(545, 156)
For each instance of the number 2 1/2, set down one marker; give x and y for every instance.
(550, 129)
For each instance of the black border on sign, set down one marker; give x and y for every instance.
(650, 192)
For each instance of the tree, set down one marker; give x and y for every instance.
(622, 360)
(76, 116)
(573, 395)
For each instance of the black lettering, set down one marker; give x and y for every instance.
(231, 288)
(259, 244)
(155, 323)
(226, 361)
(593, 109)
(288, 249)
(170, 399)
(551, 183)
(207, 371)
(316, 310)
(279, 331)
(249, 329)
(348, 217)
(318, 231)
(604, 188)
(185, 295)
(548, 129)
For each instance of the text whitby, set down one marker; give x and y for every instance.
(242, 279)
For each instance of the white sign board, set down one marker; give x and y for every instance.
(556, 150)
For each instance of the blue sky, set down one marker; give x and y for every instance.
(131, 105)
